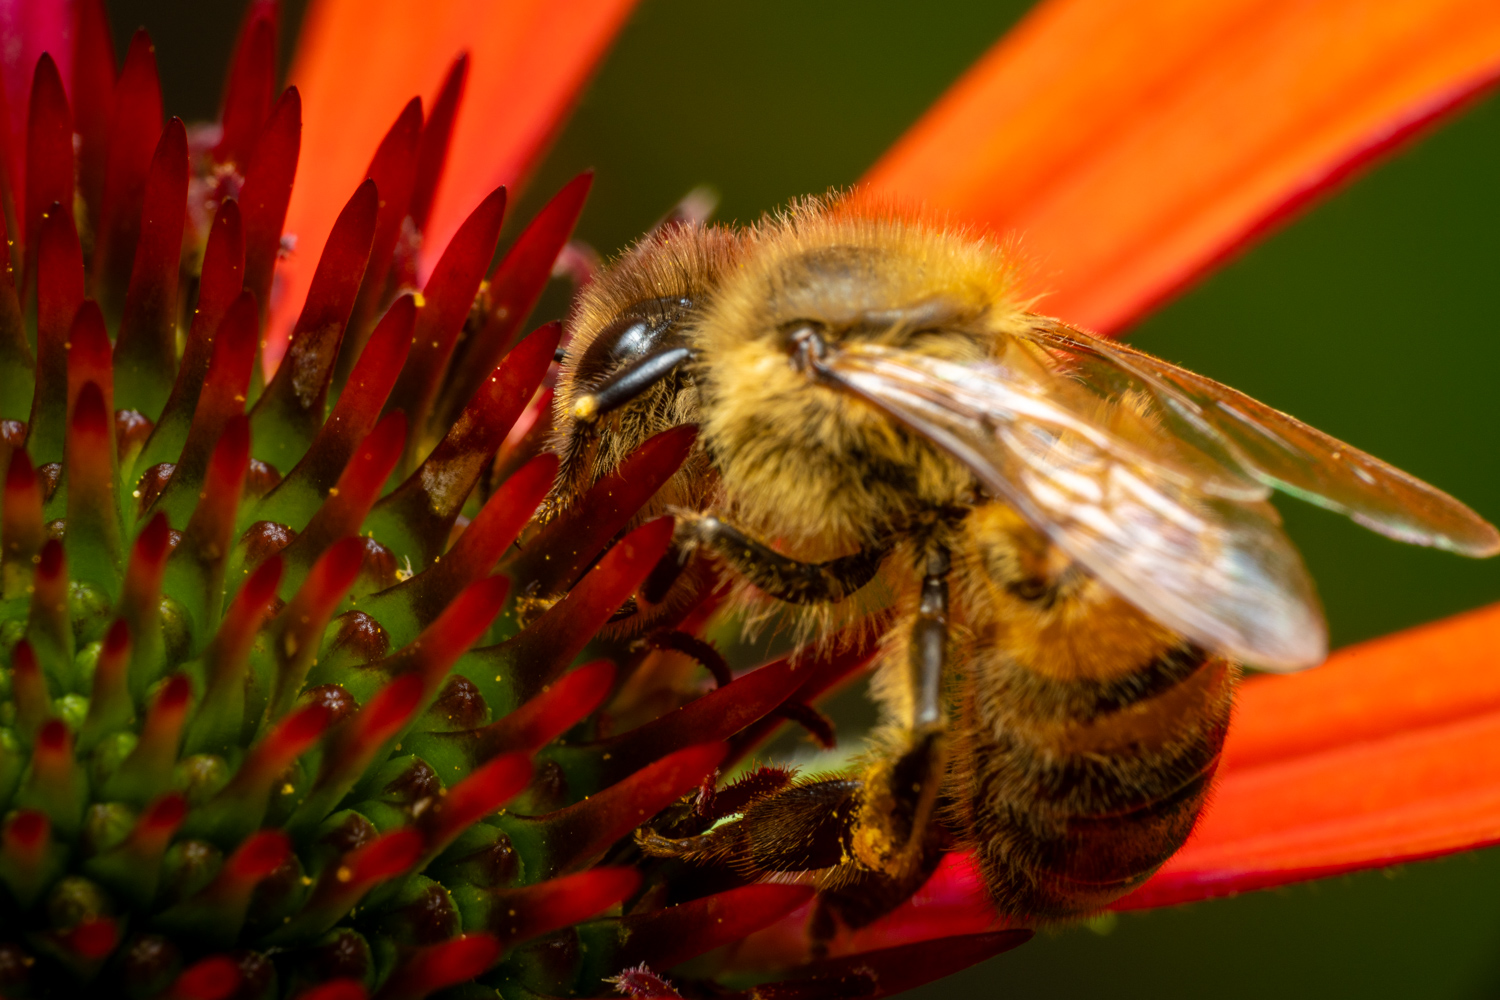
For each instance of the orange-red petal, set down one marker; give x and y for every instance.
(1387, 753)
(1390, 752)
(951, 904)
(359, 61)
(1130, 144)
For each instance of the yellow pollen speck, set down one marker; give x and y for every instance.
(287, 789)
(419, 299)
(343, 874)
(333, 491)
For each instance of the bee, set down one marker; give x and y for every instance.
(1077, 537)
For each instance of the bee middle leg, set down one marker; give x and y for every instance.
(883, 819)
(895, 829)
(874, 838)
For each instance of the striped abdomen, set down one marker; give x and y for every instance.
(1072, 790)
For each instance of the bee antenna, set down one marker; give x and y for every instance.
(629, 382)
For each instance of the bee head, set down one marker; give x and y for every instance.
(631, 313)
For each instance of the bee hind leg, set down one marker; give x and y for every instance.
(806, 827)
(803, 827)
(782, 577)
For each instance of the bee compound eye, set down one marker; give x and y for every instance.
(636, 331)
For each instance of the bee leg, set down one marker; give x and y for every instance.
(805, 827)
(707, 655)
(929, 641)
(667, 571)
(896, 826)
(784, 578)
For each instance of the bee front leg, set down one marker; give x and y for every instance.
(780, 576)
(895, 829)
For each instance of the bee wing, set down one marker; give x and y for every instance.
(1273, 448)
(1214, 568)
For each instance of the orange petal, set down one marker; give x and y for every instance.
(1423, 678)
(1132, 143)
(359, 61)
(1389, 752)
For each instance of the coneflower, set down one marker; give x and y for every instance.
(290, 704)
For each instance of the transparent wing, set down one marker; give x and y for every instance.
(1210, 565)
(1264, 443)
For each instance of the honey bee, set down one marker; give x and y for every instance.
(1076, 534)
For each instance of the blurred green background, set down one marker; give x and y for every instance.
(1374, 317)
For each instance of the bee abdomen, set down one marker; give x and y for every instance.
(1076, 798)
(1042, 864)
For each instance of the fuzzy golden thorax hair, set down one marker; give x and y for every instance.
(812, 467)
